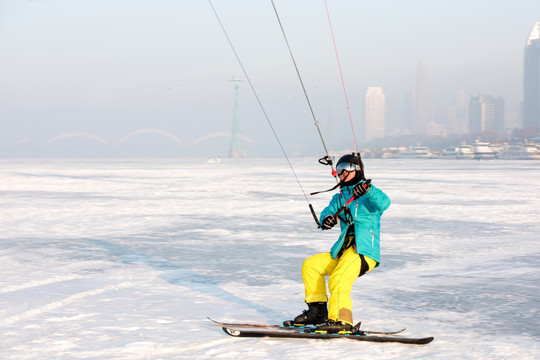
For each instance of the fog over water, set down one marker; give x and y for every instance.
(77, 78)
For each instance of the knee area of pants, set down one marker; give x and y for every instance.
(306, 264)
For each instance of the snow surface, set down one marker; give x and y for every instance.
(125, 258)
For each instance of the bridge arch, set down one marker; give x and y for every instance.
(150, 131)
(76, 134)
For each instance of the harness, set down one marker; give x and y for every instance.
(350, 241)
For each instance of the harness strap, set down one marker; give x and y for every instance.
(320, 192)
(364, 266)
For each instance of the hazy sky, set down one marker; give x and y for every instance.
(112, 67)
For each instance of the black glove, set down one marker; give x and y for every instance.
(329, 222)
(361, 188)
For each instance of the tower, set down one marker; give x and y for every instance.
(237, 148)
(531, 79)
(375, 113)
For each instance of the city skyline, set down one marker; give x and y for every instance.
(168, 66)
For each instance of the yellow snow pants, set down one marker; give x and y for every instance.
(343, 271)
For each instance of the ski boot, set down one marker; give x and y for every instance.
(316, 313)
(334, 327)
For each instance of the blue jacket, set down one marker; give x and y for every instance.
(366, 213)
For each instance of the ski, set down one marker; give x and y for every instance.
(309, 334)
(292, 328)
(262, 326)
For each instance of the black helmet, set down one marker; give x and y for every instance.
(350, 162)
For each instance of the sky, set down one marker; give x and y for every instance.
(161, 71)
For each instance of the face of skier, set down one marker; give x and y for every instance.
(347, 175)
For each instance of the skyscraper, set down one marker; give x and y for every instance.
(375, 113)
(486, 113)
(421, 100)
(531, 79)
(476, 115)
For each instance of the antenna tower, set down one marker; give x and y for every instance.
(237, 148)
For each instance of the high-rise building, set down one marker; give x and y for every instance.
(476, 115)
(486, 113)
(456, 115)
(531, 79)
(421, 100)
(375, 113)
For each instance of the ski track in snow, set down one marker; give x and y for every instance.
(116, 259)
(56, 304)
(36, 283)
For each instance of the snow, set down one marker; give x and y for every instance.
(125, 258)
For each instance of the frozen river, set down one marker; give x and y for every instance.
(125, 258)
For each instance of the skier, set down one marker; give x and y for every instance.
(356, 252)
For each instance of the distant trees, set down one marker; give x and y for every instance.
(526, 133)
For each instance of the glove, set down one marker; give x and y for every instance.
(361, 188)
(329, 222)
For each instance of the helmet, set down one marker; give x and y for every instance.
(348, 162)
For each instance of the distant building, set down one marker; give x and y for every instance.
(499, 122)
(531, 79)
(486, 113)
(456, 115)
(375, 113)
(421, 106)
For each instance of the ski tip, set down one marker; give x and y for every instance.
(231, 332)
(426, 340)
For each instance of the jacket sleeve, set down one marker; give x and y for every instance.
(333, 206)
(377, 198)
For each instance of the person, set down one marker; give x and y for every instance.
(356, 252)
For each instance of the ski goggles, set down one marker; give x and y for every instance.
(346, 166)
